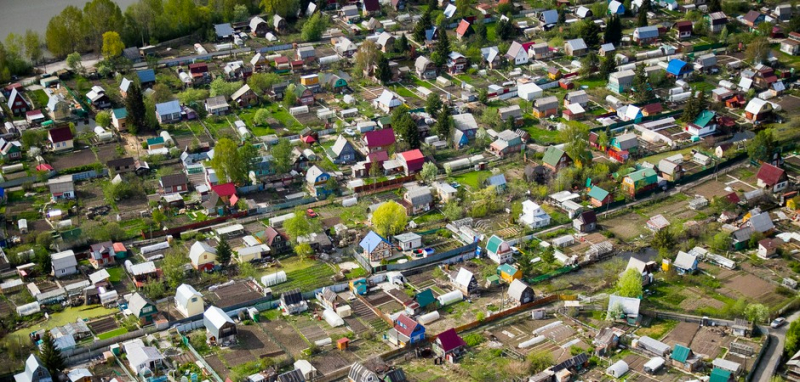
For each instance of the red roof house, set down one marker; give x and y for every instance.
(652, 109)
(378, 140)
(772, 178)
(408, 330)
(412, 161)
(464, 29)
(733, 197)
(60, 138)
(449, 344)
(684, 29)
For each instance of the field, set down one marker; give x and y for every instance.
(306, 275)
(70, 314)
(113, 333)
(472, 178)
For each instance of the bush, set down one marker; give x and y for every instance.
(473, 339)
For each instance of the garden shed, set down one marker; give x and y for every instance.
(618, 369)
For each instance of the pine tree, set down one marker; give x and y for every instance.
(422, 25)
(224, 252)
(382, 70)
(642, 16)
(613, 33)
(134, 103)
(444, 125)
(51, 357)
(715, 6)
(690, 109)
(591, 33)
(405, 127)
(607, 66)
(433, 5)
(401, 44)
(643, 90)
(442, 47)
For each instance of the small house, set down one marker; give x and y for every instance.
(685, 262)
(520, 292)
(640, 181)
(683, 29)
(411, 161)
(555, 159)
(456, 63)
(244, 96)
(188, 301)
(425, 68)
(406, 331)
(771, 178)
(379, 140)
(585, 222)
(578, 97)
(545, 107)
(60, 138)
(757, 110)
(679, 69)
(657, 223)
(508, 142)
(144, 360)
(645, 35)
(533, 215)
(216, 105)
(168, 112)
(464, 281)
(464, 29)
(142, 308)
(669, 170)
(621, 81)
(624, 308)
(35, 371)
(258, 27)
(342, 151)
(753, 18)
(508, 272)
(203, 256)
(498, 250)
(449, 345)
(220, 328)
(418, 200)
(717, 21)
(317, 181)
(174, 183)
(683, 358)
(767, 248)
(517, 54)
(18, 104)
(576, 47)
(721, 375)
(276, 241)
(102, 254)
(387, 101)
(292, 302)
(375, 247)
(64, 264)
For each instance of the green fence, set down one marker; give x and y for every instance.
(550, 275)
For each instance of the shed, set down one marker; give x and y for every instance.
(618, 369)
(653, 365)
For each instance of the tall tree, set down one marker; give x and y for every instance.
(442, 51)
(314, 27)
(261, 83)
(134, 104)
(289, 96)
(643, 90)
(590, 32)
(589, 64)
(112, 45)
(224, 252)
(283, 8)
(421, 26)
(757, 50)
(762, 146)
(99, 17)
(714, 6)
(641, 17)
(282, 154)
(51, 357)
(505, 30)
(389, 219)
(691, 109)
(607, 66)
(433, 104)
(33, 46)
(231, 163)
(630, 284)
(383, 71)
(444, 123)
(405, 127)
(401, 44)
(613, 32)
(65, 32)
(365, 58)
(576, 136)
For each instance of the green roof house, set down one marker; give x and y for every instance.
(640, 181)
(425, 298)
(498, 250)
(704, 124)
(555, 159)
(683, 358)
(509, 273)
(720, 375)
(599, 197)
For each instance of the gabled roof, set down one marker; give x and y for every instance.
(646, 32)
(465, 121)
(254, 23)
(497, 180)
(405, 325)
(371, 5)
(629, 305)
(223, 30)
(225, 189)
(217, 317)
(340, 144)
(549, 16)
(494, 243)
(425, 298)
(360, 373)
(379, 138)
(552, 155)
(371, 241)
(198, 249)
(184, 293)
(170, 107)
(239, 93)
(60, 134)
(752, 16)
(147, 75)
(757, 106)
(313, 174)
(63, 260)
(676, 66)
(450, 340)
(174, 180)
(587, 217)
(292, 297)
(137, 303)
(463, 27)
(464, 277)
(516, 289)
(761, 222)
(681, 353)
(577, 44)
(514, 49)
(720, 375)
(770, 174)
(389, 99)
(685, 260)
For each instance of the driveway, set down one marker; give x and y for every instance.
(769, 364)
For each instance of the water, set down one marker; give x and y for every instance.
(16, 16)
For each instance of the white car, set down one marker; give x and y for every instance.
(778, 322)
(350, 132)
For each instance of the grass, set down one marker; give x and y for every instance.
(472, 178)
(429, 217)
(116, 274)
(39, 98)
(113, 333)
(422, 83)
(654, 159)
(403, 92)
(658, 328)
(491, 31)
(70, 314)
(542, 136)
(286, 119)
(593, 83)
(304, 274)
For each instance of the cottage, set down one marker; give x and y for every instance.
(258, 27)
(657, 223)
(456, 63)
(508, 142)
(753, 18)
(203, 256)
(278, 23)
(645, 35)
(464, 281)
(533, 215)
(188, 301)
(616, 8)
(517, 54)
(757, 110)
(102, 254)
(411, 161)
(624, 308)
(360, 373)
(669, 170)
(292, 302)
(418, 200)
(545, 107)
(790, 47)
(35, 371)
(767, 248)
(771, 178)
(64, 264)
(406, 331)
(386, 42)
(498, 250)
(640, 181)
(18, 104)
(585, 222)
(174, 183)
(60, 138)
(388, 101)
(317, 181)
(466, 127)
(555, 159)
(721, 375)
(449, 345)
(491, 57)
(578, 97)
(276, 241)
(244, 96)
(142, 308)
(682, 357)
(216, 105)
(379, 140)
(168, 112)
(342, 151)
(622, 81)
(98, 98)
(144, 360)
(685, 262)
(717, 21)
(520, 292)
(425, 68)
(683, 29)
(375, 247)
(464, 29)
(539, 51)
(576, 47)
(220, 328)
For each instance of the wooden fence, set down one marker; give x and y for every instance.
(196, 225)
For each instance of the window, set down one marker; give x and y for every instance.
(194, 299)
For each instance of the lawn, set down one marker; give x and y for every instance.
(655, 158)
(429, 217)
(403, 92)
(542, 136)
(113, 333)
(471, 178)
(491, 31)
(116, 274)
(592, 83)
(657, 329)
(40, 98)
(304, 274)
(422, 83)
(286, 119)
(70, 314)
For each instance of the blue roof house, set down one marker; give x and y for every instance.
(147, 77)
(168, 112)
(316, 181)
(616, 8)
(549, 16)
(679, 68)
(645, 35)
(375, 247)
(223, 31)
(498, 181)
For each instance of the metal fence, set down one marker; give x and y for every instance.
(28, 179)
(453, 256)
(91, 174)
(275, 48)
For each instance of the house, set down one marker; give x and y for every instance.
(418, 200)
(449, 345)
(360, 373)
(791, 47)
(555, 159)
(497, 181)
(545, 107)
(622, 81)
(188, 301)
(757, 110)
(645, 35)
(768, 247)
(425, 68)
(669, 170)
(203, 256)
(278, 23)
(79, 375)
(520, 292)
(379, 140)
(624, 308)
(576, 47)
(508, 272)
(464, 29)
(683, 29)
(371, 7)
(337, 83)
(217, 105)
(517, 54)
(199, 73)
(411, 161)
(244, 96)
(344, 47)
(456, 63)
(640, 181)
(652, 109)
(685, 262)
(98, 98)
(616, 8)
(388, 101)
(513, 112)
(705, 124)
(548, 17)
(539, 51)
(465, 129)
(721, 375)
(342, 151)
(142, 308)
(34, 371)
(625, 142)
(220, 328)
(771, 178)
(717, 21)
(491, 57)
(683, 358)
(316, 182)
(464, 281)
(752, 19)
(168, 112)
(64, 264)
(578, 97)
(276, 241)
(258, 27)
(10, 150)
(585, 222)
(304, 95)
(706, 63)
(584, 13)
(102, 254)
(144, 360)
(724, 364)
(147, 78)
(175, 183)
(292, 302)
(679, 69)
(657, 223)
(386, 42)
(533, 215)
(17, 103)
(144, 272)
(508, 142)
(60, 138)
(498, 250)
(406, 331)
(374, 247)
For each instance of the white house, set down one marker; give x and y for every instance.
(188, 301)
(529, 91)
(533, 215)
(517, 54)
(203, 256)
(64, 264)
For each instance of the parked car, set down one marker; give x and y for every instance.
(777, 323)
(310, 213)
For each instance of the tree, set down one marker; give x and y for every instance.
(103, 119)
(433, 103)
(590, 32)
(505, 30)
(589, 64)
(173, 268)
(261, 83)
(442, 51)
(161, 93)
(303, 250)
(641, 17)
(714, 6)
(721, 242)
(483, 96)
(220, 87)
(33, 46)
(382, 70)
(366, 57)
(576, 136)
(691, 109)
(405, 127)
(757, 313)
(50, 355)
(663, 239)
(429, 171)
(99, 17)
(282, 155)
(421, 26)
(757, 50)
(192, 95)
(224, 252)
(240, 13)
(261, 118)
(112, 45)
(289, 96)
(300, 225)
(723, 35)
(313, 27)
(74, 62)
(481, 33)
(761, 147)
(283, 8)
(613, 32)
(229, 163)
(401, 44)
(642, 88)
(65, 32)
(792, 338)
(539, 361)
(463, 8)
(452, 211)
(389, 219)
(444, 123)
(630, 284)
(134, 104)
(602, 139)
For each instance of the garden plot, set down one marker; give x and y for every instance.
(255, 339)
(748, 286)
(235, 357)
(709, 341)
(681, 334)
(333, 360)
(103, 325)
(286, 335)
(233, 294)
(355, 325)
(74, 159)
(317, 275)
(310, 330)
(214, 361)
(636, 371)
(5, 308)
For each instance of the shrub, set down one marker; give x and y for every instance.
(473, 339)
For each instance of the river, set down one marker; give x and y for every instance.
(19, 15)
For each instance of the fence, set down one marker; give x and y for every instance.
(185, 60)
(384, 184)
(275, 48)
(619, 125)
(28, 179)
(507, 312)
(759, 359)
(189, 227)
(91, 174)
(453, 256)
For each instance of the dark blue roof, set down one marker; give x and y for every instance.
(147, 75)
(429, 33)
(223, 30)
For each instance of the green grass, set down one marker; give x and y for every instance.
(422, 83)
(113, 333)
(306, 275)
(655, 158)
(471, 178)
(429, 217)
(491, 31)
(286, 119)
(70, 314)
(542, 136)
(403, 92)
(116, 274)
(39, 98)
(658, 328)
(593, 83)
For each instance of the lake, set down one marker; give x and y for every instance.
(19, 15)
